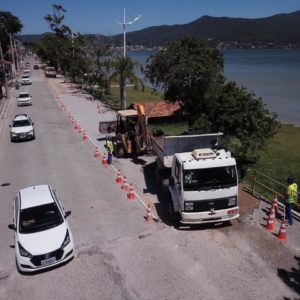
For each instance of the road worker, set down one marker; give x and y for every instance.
(110, 149)
(291, 199)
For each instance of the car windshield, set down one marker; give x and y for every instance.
(25, 77)
(212, 178)
(39, 218)
(23, 95)
(21, 123)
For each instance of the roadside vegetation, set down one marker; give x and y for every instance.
(187, 71)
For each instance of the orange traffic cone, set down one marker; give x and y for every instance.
(62, 104)
(84, 137)
(97, 153)
(119, 178)
(104, 159)
(75, 125)
(149, 216)
(69, 116)
(282, 236)
(125, 186)
(79, 129)
(275, 204)
(271, 221)
(131, 194)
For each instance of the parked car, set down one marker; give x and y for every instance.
(24, 98)
(36, 67)
(26, 71)
(25, 80)
(43, 238)
(22, 128)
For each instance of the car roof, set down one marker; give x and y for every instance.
(35, 195)
(20, 117)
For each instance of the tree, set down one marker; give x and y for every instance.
(191, 73)
(123, 72)
(9, 24)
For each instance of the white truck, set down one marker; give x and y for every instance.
(200, 178)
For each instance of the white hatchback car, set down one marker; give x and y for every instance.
(43, 238)
(22, 128)
(24, 98)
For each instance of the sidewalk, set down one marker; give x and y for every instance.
(88, 113)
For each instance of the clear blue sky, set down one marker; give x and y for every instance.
(98, 16)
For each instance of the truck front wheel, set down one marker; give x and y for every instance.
(173, 215)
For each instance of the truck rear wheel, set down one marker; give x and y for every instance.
(119, 151)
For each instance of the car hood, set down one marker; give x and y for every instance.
(21, 129)
(44, 241)
(23, 99)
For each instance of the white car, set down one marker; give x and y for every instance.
(26, 70)
(24, 98)
(22, 128)
(43, 238)
(25, 80)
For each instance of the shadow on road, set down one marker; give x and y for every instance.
(291, 278)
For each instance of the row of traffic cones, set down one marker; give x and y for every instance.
(282, 235)
(119, 179)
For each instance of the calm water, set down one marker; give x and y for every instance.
(273, 75)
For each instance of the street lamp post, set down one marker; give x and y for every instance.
(124, 23)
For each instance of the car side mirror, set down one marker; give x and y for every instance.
(67, 213)
(172, 181)
(12, 226)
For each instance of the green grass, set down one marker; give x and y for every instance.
(170, 128)
(133, 95)
(281, 158)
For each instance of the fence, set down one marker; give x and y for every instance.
(267, 187)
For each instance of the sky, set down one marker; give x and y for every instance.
(100, 17)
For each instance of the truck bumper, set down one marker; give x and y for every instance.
(209, 217)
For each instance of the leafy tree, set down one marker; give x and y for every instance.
(9, 24)
(123, 73)
(191, 73)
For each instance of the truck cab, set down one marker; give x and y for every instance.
(204, 187)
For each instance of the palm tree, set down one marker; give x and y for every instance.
(123, 72)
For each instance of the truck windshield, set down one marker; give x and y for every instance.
(212, 178)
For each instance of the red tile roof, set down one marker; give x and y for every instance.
(158, 108)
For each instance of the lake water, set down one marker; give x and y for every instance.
(273, 75)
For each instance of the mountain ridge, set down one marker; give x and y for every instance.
(281, 30)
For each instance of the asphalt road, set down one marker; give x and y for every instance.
(118, 255)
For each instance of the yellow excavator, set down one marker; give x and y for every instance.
(131, 137)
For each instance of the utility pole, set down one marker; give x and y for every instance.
(17, 57)
(124, 23)
(12, 53)
(3, 70)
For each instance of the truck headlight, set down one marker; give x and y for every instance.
(30, 132)
(13, 134)
(232, 201)
(189, 206)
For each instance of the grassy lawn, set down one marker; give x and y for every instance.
(133, 95)
(281, 158)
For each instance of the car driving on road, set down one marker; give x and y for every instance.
(43, 237)
(22, 128)
(24, 98)
(25, 80)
